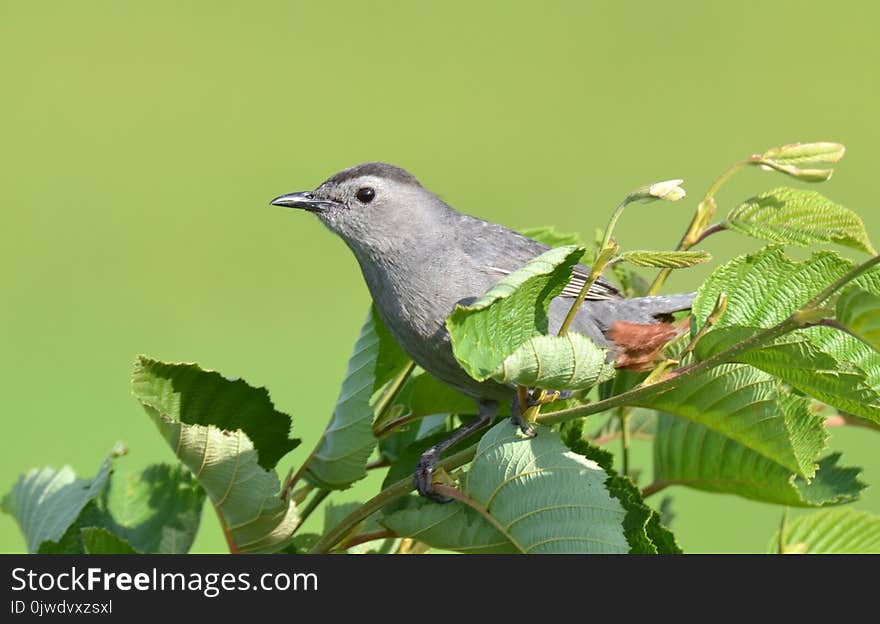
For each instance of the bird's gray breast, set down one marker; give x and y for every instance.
(414, 291)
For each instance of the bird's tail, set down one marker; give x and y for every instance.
(637, 329)
(640, 310)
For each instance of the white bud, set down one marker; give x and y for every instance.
(669, 190)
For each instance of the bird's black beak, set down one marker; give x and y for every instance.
(305, 201)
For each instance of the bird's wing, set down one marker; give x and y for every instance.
(601, 290)
(502, 250)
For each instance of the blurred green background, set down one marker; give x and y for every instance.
(143, 141)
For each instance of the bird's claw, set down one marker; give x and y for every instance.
(527, 429)
(423, 477)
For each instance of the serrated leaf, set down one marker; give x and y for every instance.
(543, 498)
(689, 454)
(100, 541)
(818, 153)
(204, 397)
(745, 405)
(644, 532)
(156, 510)
(45, 501)
(226, 462)
(859, 312)
(797, 360)
(341, 455)
(666, 259)
(569, 362)
(795, 216)
(390, 359)
(512, 316)
(789, 159)
(824, 362)
(765, 287)
(837, 531)
(550, 237)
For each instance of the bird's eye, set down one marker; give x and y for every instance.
(365, 195)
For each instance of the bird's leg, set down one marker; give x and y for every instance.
(486, 411)
(516, 412)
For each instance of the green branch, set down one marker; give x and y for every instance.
(391, 493)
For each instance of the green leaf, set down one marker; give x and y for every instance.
(806, 153)
(823, 362)
(192, 409)
(424, 395)
(746, 405)
(644, 532)
(499, 336)
(454, 526)
(542, 498)
(789, 158)
(100, 541)
(794, 216)
(301, 544)
(390, 359)
(569, 362)
(689, 454)
(642, 424)
(764, 288)
(203, 397)
(157, 510)
(666, 259)
(341, 455)
(834, 378)
(859, 312)
(831, 532)
(334, 513)
(550, 237)
(45, 501)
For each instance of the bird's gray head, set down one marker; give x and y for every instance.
(371, 206)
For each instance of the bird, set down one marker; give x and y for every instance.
(420, 258)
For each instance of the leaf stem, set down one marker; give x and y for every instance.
(391, 392)
(631, 397)
(799, 318)
(382, 462)
(842, 281)
(393, 492)
(317, 499)
(382, 405)
(709, 231)
(624, 415)
(371, 536)
(602, 259)
(300, 495)
(705, 211)
(782, 526)
(653, 488)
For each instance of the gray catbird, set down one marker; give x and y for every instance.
(420, 257)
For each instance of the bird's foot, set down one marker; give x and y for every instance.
(526, 427)
(423, 479)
